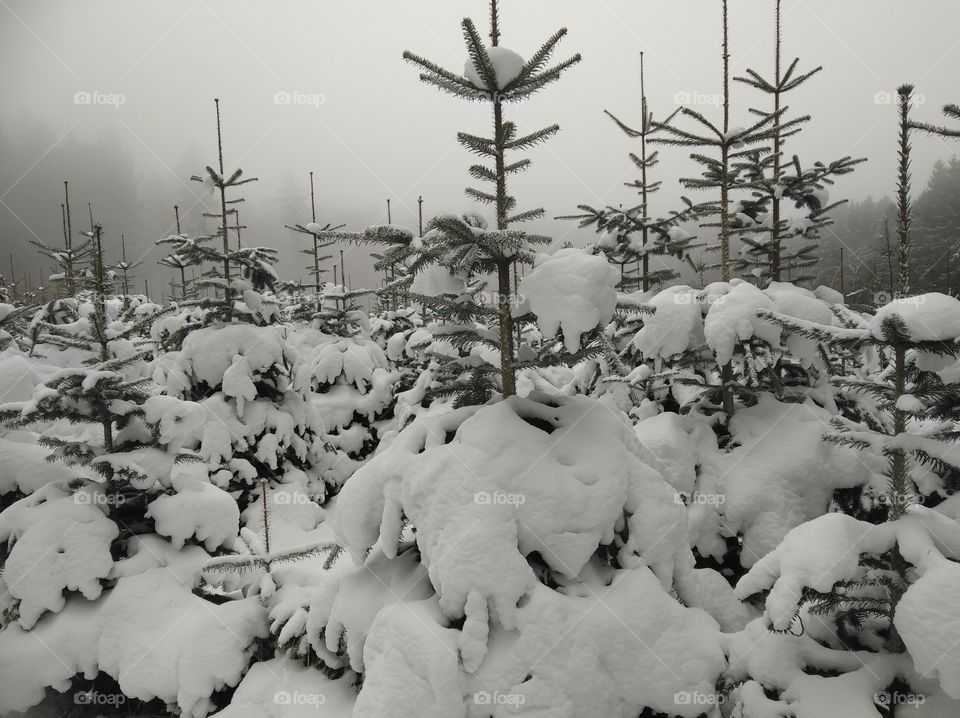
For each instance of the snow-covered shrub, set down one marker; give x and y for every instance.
(230, 399)
(522, 514)
(352, 388)
(877, 633)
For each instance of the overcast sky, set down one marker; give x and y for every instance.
(370, 130)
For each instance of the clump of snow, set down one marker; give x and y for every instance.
(149, 633)
(641, 649)
(197, 509)
(928, 317)
(572, 290)
(208, 353)
(23, 464)
(411, 661)
(285, 688)
(781, 474)
(436, 281)
(733, 317)
(354, 358)
(557, 477)
(928, 620)
(817, 554)
(61, 542)
(676, 325)
(507, 65)
(799, 303)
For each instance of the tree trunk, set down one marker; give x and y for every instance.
(503, 267)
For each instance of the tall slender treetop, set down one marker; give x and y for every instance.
(493, 72)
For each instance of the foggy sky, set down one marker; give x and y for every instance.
(374, 131)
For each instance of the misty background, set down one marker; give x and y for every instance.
(117, 98)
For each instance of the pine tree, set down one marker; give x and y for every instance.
(222, 183)
(632, 236)
(904, 206)
(499, 76)
(125, 268)
(102, 392)
(764, 228)
(323, 237)
(903, 392)
(724, 172)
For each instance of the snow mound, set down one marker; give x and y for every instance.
(208, 353)
(572, 290)
(676, 325)
(487, 487)
(928, 620)
(285, 688)
(355, 359)
(197, 509)
(507, 65)
(800, 303)
(781, 474)
(930, 317)
(436, 281)
(149, 633)
(732, 318)
(61, 542)
(639, 648)
(412, 665)
(24, 465)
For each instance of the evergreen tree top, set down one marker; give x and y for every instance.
(498, 74)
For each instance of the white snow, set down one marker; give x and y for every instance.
(928, 620)
(197, 509)
(928, 317)
(732, 318)
(436, 281)
(676, 325)
(572, 290)
(150, 633)
(60, 542)
(507, 65)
